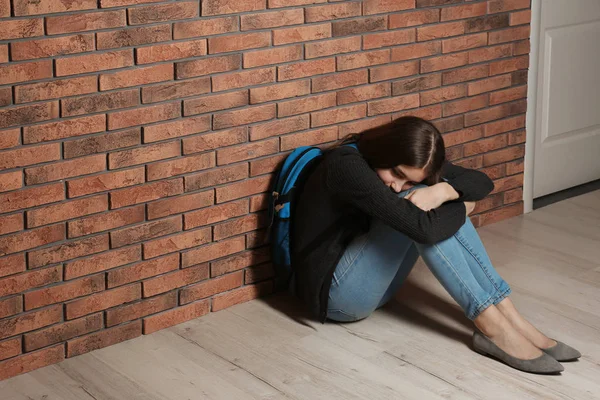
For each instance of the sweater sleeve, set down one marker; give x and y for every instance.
(350, 177)
(470, 184)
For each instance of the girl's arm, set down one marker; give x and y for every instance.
(468, 184)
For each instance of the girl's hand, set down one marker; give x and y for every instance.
(428, 198)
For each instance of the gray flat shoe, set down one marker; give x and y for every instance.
(543, 364)
(562, 352)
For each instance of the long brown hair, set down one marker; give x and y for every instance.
(407, 140)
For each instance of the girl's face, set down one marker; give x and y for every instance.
(401, 177)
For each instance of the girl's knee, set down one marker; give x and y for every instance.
(344, 316)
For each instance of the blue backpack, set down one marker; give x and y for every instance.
(286, 185)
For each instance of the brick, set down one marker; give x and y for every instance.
(429, 113)
(496, 6)
(239, 42)
(93, 62)
(105, 221)
(363, 93)
(464, 42)
(190, 69)
(171, 51)
(30, 321)
(486, 23)
(392, 38)
(102, 262)
(211, 252)
(237, 226)
(66, 291)
(55, 89)
(52, 47)
(501, 214)
(515, 167)
(485, 145)
(144, 154)
(313, 137)
(66, 169)
(214, 140)
(513, 196)
(509, 35)
(463, 11)
(174, 280)
(443, 94)
(489, 53)
(149, 230)
(140, 309)
(104, 182)
(139, 76)
(4, 8)
(205, 27)
(243, 79)
(331, 11)
(363, 59)
(133, 36)
(505, 125)
(339, 80)
(211, 287)
(504, 155)
(449, 124)
(67, 251)
(67, 210)
(100, 102)
(11, 181)
(520, 17)
(278, 127)
(28, 114)
(25, 156)
(273, 19)
(279, 91)
(3, 53)
(418, 50)
(496, 112)
(142, 270)
(305, 69)
(163, 12)
(85, 22)
(465, 105)
(301, 34)
(248, 187)
(10, 138)
(247, 151)
(338, 115)
(176, 243)
(362, 125)
(12, 264)
(414, 18)
(511, 94)
(509, 65)
(180, 166)
(358, 25)
(495, 172)
(27, 7)
(521, 47)
(104, 338)
(439, 31)
(488, 85)
(393, 104)
(101, 143)
(11, 306)
(216, 176)
(334, 46)
(276, 55)
(62, 332)
(473, 162)
(28, 280)
(143, 115)
(215, 7)
(393, 71)
(241, 295)
(507, 183)
(176, 316)
(21, 28)
(444, 62)
(31, 361)
(11, 223)
(170, 130)
(215, 214)
(463, 136)
(102, 301)
(64, 129)
(10, 348)
(306, 104)
(384, 6)
(465, 74)
(417, 84)
(144, 193)
(180, 204)
(5, 96)
(32, 197)
(288, 3)
(488, 203)
(244, 116)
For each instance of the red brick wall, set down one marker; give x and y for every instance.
(139, 137)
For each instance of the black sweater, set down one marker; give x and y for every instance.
(341, 194)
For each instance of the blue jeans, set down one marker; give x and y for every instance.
(376, 263)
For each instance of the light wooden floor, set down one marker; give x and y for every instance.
(416, 348)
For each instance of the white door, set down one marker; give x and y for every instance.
(567, 101)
